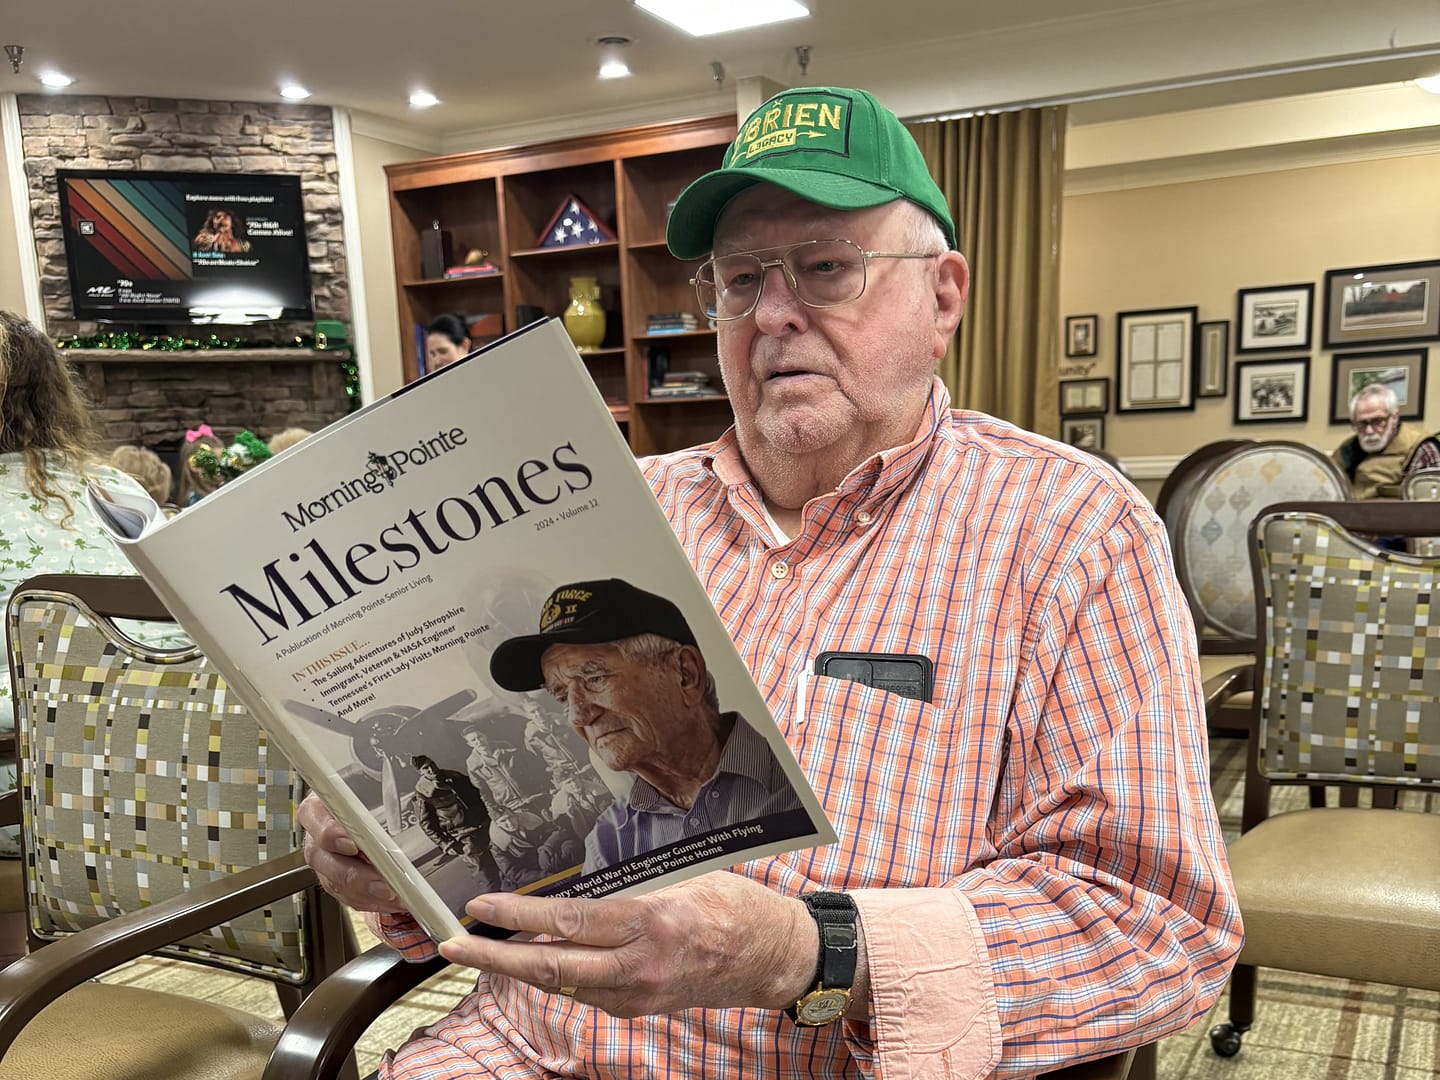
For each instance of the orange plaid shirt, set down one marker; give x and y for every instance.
(1034, 853)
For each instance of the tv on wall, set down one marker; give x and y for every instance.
(166, 247)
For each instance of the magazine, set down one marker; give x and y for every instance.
(404, 598)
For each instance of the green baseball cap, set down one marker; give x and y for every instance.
(836, 147)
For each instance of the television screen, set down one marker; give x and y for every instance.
(153, 247)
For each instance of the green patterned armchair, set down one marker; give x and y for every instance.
(155, 817)
(1348, 693)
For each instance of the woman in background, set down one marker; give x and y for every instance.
(47, 454)
(447, 339)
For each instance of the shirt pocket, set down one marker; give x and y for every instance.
(891, 773)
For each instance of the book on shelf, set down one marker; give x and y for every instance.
(671, 323)
(383, 595)
(681, 390)
(471, 270)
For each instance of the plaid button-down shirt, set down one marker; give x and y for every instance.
(1034, 852)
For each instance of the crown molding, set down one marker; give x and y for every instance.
(377, 127)
(1156, 467)
(692, 107)
(1349, 149)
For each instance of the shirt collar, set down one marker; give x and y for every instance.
(745, 754)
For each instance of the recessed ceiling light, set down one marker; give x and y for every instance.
(294, 92)
(701, 17)
(612, 56)
(55, 79)
(1430, 82)
(423, 99)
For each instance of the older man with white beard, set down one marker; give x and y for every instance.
(1383, 450)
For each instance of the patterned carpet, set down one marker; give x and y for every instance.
(1307, 1028)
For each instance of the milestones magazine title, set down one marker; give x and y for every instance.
(381, 596)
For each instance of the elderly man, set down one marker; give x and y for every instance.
(624, 665)
(1383, 450)
(1029, 868)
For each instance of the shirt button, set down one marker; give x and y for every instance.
(863, 518)
(714, 795)
(694, 821)
(780, 569)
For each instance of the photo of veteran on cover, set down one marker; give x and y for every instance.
(626, 667)
(479, 796)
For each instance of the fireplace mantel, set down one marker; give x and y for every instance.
(203, 356)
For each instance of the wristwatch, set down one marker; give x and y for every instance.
(835, 917)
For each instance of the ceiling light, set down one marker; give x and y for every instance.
(1430, 82)
(612, 59)
(423, 99)
(701, 17)
(55, 79)
(294, 92)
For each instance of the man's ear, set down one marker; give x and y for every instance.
(952, 289)
(692, 674)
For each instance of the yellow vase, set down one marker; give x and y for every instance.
(585, 318)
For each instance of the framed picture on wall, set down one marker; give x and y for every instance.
(1155, 356)
(1275, 318)
(1271, 391)
(1085, 432)
(1084, 396)
(1212, 376)
(1081, 334)
(1402, 371)
(1367, 305)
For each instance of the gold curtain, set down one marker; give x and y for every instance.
(1003, 175)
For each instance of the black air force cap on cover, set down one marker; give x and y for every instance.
(836, 147)
(586, 613)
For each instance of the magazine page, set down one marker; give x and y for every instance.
(463, 616)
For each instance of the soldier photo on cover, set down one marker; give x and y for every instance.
(625, 665)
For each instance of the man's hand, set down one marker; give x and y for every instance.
(337, 862)
(716, 941)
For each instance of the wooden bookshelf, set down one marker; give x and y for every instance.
(501, 200)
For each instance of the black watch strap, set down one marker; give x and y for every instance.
(835, 917)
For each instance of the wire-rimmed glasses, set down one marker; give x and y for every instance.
(821, 274)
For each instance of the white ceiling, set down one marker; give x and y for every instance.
(510, 70)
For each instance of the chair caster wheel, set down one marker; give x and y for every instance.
(1225, 1040)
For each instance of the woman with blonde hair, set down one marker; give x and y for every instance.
(47, 455)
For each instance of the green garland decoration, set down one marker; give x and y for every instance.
(126, 339)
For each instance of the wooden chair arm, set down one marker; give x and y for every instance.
(31, 983)
(320, 1036)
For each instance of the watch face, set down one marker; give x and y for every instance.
(822, 1006)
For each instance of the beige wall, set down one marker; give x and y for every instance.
(1196, 243)
(12, 293)
(378, 261)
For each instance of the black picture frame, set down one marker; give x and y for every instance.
(1349, 371)
(1155, 359)
(1083, 432)
(1272, 391)
(1082, 336)
(1346, 322)
(1084, 397)
(1274, 318)
(1212, 359)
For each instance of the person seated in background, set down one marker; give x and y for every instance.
(1383, 450)
(194, 483)
(48, 452)
(145, 466)
(283, 440)
(447, 339)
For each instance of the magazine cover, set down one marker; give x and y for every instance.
(462, 615)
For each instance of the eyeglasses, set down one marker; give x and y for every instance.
(821, 274)
(1378, 424)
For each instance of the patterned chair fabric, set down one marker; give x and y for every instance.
(1212, 530)
(143, 776)
(1350, 655)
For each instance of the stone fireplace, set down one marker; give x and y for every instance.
(151, 397)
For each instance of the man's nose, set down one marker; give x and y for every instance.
(583, 709)
(777, 306)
